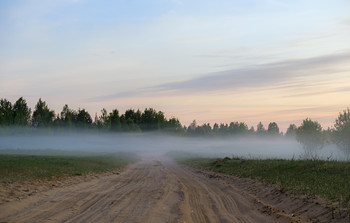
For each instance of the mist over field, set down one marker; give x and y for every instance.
(159, 144)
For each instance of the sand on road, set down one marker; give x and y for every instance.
(155, 189)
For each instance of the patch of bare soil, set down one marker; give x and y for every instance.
(277, 201)
(24, 189)
(155, 189)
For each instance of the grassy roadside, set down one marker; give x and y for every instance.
(20, 167)
(329, 180)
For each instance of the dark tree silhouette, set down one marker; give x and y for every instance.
(6, 113)
(21, 112)
(152, 120)
(114, 120)
(310, 135)
(203, 130)
(174, 125)
(224, 129)
(192, 128)
(102, 122)
(260, 130)
(342, 131)
(215, 128)
(291, 130)
(136, 117)
(42, 115)
(238, 128)
(83, 119)
(68, 117)
(273, 129)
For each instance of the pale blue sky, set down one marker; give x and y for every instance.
(214, 61)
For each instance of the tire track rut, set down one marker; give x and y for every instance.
(154, 189)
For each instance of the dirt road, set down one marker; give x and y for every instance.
(152, 190)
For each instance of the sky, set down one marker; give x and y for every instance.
(210, 61)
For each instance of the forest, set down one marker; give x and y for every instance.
(310, 133)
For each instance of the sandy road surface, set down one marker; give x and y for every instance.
(152, 190)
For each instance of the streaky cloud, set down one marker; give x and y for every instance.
(328, 91)
(345, 21)
(271, 74)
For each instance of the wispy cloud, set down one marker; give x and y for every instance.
(326, 91)
(272, 75)
(345, 21)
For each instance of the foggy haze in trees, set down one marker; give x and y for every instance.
(150, 131)
(156, 143)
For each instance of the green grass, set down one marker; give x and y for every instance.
(329, 180)
(15, 167)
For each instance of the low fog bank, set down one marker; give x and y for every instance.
(85, 141)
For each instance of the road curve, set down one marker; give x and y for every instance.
(154, 189)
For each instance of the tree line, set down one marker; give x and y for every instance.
(310, 133)
(20, 115)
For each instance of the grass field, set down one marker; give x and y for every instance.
(19, 167)
(329, 180)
